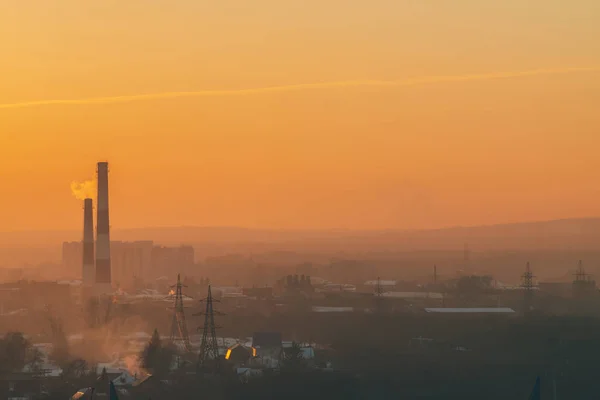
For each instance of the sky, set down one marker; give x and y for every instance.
(436, 153)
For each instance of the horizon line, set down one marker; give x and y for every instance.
(300, 86)
(541, 221)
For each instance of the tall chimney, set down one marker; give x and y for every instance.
(103, 278)
(88, 273)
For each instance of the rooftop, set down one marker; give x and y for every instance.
(414, 295)
(332, 309)
(493, 310)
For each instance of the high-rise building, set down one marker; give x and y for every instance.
(134, 263)
(168, 261)
(131, 263)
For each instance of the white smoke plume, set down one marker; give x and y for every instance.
(84, 190)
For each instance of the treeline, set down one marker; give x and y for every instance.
(16, 353)
(379, 357)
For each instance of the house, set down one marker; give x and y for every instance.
(239, 354)
(103, 388)
(19, 386)
(269, 348)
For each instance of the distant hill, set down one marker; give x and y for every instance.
(557, 234)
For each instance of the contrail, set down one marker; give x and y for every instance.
(302, 86)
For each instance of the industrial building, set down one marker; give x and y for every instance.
(107, 265)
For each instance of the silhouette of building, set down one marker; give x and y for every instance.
(133, 262)
(239, 354)
(167, 260)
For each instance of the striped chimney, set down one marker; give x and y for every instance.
(103, 278)
(88, 273)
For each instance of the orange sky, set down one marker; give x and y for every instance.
(429, 155)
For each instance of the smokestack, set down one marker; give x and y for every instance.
(88, 273)
(103, 278)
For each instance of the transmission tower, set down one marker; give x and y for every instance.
(378, 288)
(583, 285)
(580, 275)
(179, 331)
(527, 285)
(208, 358)
(379, 295)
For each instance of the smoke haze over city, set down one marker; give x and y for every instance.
(299, 199)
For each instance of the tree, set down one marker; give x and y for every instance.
(60, 344)
(157, 358)
(75, 369)
(13, 353)
(34, 360)
(293, 358)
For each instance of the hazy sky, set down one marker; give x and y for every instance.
(429, 155)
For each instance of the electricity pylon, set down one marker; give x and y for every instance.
(179, 331)
(208, 359)
(527, 285)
